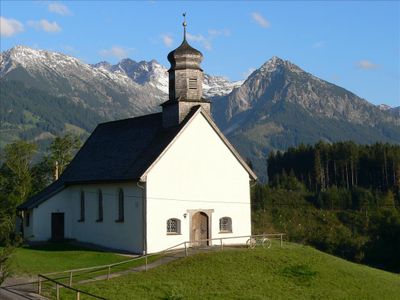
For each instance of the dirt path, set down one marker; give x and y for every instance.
(20, 288)
(163, 260)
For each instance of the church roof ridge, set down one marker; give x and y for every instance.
(148, 116)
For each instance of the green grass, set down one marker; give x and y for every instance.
(53, 257)
(292, 272)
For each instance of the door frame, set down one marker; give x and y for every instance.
(52, 228)
(208, 213)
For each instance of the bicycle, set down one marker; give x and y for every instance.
(263, 242)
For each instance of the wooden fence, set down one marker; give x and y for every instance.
(184, 246)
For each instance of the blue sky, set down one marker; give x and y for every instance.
(353, 44)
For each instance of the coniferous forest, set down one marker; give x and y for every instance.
(344, 164)
(342, 198)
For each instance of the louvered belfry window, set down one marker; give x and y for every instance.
(192, 83)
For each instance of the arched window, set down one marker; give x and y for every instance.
(121, 205)
(225, 224)
(173, 226)
(82, 214)
(100, 206)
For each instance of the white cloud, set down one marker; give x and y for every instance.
(45, 25)
(10, 27)
(248, 73)
(167, 40)
(115, 51)
(206, 42)
(366, 65)
(260, 20)
(218, 32)
(59, 8)
(319, 44)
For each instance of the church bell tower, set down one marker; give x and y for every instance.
(185, 83)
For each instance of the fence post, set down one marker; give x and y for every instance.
(145, 264)
(57, 291)
(70, 278)
(222, 245)
(108, 273)
(78, 295)
(186, 250)
(39, 285)
(281, 241)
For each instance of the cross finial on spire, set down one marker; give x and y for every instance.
(184, 26)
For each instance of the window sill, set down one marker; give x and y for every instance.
(225, 231)
(119, 221)
(173, 233)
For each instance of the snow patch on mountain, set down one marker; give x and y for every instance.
(384, 107)
(156, 75)
(46, 62)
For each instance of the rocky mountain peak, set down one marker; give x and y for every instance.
(156, 75)
(276, 64)
(103, 64)
(281, 82)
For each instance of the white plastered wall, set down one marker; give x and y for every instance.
(127, 235)
(198, 172)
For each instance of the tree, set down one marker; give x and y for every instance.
(62, 150)
(8, 240)
(17, 167)
(42, 175)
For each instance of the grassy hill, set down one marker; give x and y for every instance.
(293, 272)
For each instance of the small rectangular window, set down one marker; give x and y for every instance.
(82, 219)
(100, 208)
(192, 83)
(27, 219)
(121, 212)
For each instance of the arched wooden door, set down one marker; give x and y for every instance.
(200, 229)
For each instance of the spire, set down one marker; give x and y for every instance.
(184, 24)
(185, 83)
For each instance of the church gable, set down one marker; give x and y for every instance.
(200, 148)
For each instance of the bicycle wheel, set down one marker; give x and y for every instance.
(251, 243)
(266, 243)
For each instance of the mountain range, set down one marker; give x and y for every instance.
(279, 105)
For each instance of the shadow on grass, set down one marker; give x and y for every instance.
(59, 246)
(302, 274)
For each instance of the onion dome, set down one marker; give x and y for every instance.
(185, 56)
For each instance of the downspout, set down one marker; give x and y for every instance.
(144, 214)
(252, 183)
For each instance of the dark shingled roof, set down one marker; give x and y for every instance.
(116, 151)
(113, 150)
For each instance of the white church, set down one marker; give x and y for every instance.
(145, 184)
